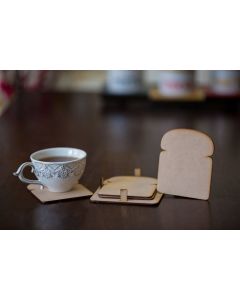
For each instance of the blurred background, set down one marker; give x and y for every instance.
(153, 86)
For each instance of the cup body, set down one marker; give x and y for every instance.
(59, 176)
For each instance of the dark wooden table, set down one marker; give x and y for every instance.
(117, 139)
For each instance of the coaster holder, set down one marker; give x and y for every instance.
(124, 195)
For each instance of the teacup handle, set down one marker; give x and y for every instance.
(20, 175)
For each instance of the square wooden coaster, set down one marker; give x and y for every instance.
(138, 187)
(79, 191)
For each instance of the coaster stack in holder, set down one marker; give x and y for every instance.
(128, 190)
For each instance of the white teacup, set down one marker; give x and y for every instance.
(57, 176)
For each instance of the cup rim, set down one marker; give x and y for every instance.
(58, 162)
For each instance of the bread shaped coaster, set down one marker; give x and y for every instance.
(185, 165)
(128, 190)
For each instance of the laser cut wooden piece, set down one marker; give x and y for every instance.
(134, 190)
(138, 187)
(96, 198)
(79, 191)
(185, 165)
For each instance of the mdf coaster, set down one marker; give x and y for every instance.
(125, 200)
(137, 187)
(79, 191)
(185, 164)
